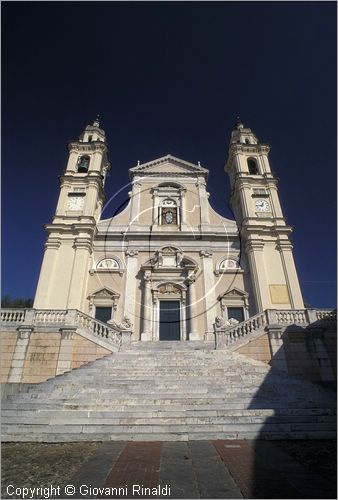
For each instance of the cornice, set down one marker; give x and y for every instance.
(87, 147)
(248, 148)
(190, 168)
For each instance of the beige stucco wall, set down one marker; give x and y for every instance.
(85, 351)
(41, 357)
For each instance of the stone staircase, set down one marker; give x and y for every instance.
(170, 391)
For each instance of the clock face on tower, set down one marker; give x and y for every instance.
(75, 202)
(262, 206)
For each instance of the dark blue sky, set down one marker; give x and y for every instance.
(170, 77)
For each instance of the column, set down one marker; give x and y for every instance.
(130, 284)
(66, 350)
(147, 308)
(193, 334)
(19, 355)
(209, 293)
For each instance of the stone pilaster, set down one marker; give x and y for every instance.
(278, 358)
(147, 308)
(183, 210)
(254, 250)
(324, 363)
(66, 350)
(209, 293)
(130, 286)
(135, 203)
(19, 355)
(204, 205)
(193, 334)
(81, 264)
(47, 273)
(290, 273)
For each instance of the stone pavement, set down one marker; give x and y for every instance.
(196, 469)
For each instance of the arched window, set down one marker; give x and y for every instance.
(83, 164)
(252, 166)
(247, 141)
(168, 212)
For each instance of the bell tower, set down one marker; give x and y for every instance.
(263, 229)
(65, 266)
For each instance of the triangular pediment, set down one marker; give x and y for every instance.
(168, 165)
(234, 292)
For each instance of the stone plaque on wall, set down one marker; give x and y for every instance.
(279, 294)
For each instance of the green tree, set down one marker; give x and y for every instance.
(16, 302)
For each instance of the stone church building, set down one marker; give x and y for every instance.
(168, 266)
(167, 321)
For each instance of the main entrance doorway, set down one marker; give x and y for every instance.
(169, 320)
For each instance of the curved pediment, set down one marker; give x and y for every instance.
(168, 165)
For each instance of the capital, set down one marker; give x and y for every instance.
(131, 253)
(205, 253)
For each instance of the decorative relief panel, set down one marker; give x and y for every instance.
(227, 265)
(108, 264)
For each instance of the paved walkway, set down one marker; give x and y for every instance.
(196, 469)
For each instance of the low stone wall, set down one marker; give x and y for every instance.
(258, 349)
(31, 357)
(304, 353)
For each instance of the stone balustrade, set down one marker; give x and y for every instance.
(98, 328)
(12, 316)
(326, 315)
(226, 336)
(50, 316)
(62, 318)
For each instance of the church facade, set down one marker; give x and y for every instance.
(168, 266)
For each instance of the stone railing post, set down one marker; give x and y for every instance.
(71, 317)
(29, 317)
(222, 338)
(271, 316)
(66, 350)
(19, 355)
(126, 337)
(311, 315)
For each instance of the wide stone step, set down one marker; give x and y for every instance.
(163, 419)
(169, 392)
(194, 431)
